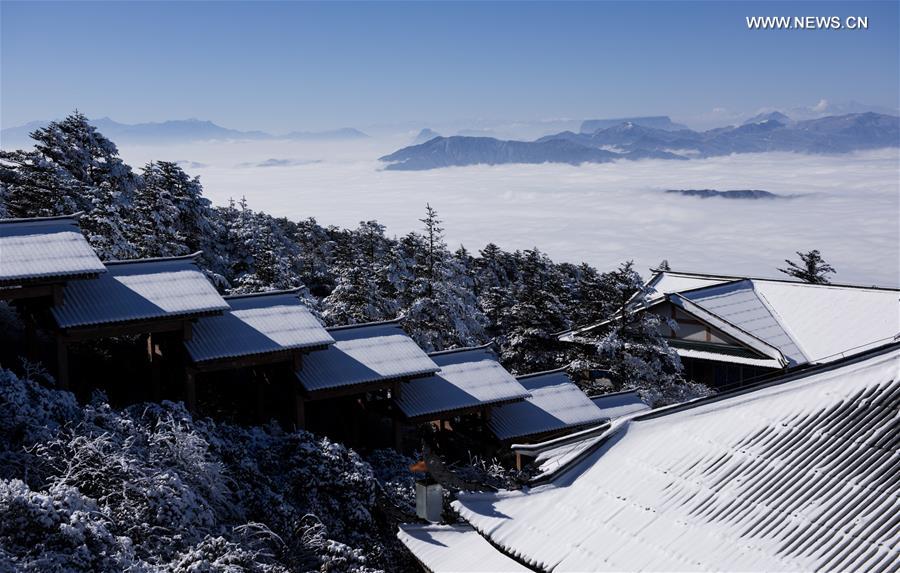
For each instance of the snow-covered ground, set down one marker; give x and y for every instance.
(601, 214)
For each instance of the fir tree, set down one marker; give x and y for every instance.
(157, 230)
(531, 323)
(812, 268)
(631, 347)
(440, 312)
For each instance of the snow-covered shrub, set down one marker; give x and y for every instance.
(148, 488)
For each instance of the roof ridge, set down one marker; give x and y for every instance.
(192, 256)
(543, 372)
(696, 403)
(781, 322)
(364, 324)
(462, 349)
(795, 374)
(631, 391)
(263, 293)
(76, 215)
(776, 280)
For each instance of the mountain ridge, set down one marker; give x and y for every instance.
(630, 140)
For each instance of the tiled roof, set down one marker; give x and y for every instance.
(795, 475)
(828, 321)
(363, 354)
(555, 404)
(468, 378)
(738, 303)
(47, 248)
(619, 404)
(140, 290)
(805, 323)
(457, 548)
(257, 324)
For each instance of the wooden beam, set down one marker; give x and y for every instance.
(110, 330)
(353, 390)
(244, 361)
(34, 291)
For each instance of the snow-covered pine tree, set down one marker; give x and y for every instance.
(356, 297)
(157, 225)
(440, 312)
(74, 167)
(529, 343)
(812, 268)
(632, 348)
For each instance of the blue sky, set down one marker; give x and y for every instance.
(280, 66)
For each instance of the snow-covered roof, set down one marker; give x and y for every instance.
(668, 282)
(468, 378)
(795, 475)
(618, 404)
(362, 354)
(457, 548)
(140, 290)
(805, 323)
(829, 321)
(555, 404)
(257, 324)
(44, 249)
(738, 303)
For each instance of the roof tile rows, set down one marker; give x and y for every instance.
(467, 378)
(366, 353)
(555, 404)
(257, 324)
(44, 249)
(139, 290)
(795, 475)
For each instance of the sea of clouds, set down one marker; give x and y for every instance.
(848, 208)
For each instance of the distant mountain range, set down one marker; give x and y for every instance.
(174, 131)
(630, 140)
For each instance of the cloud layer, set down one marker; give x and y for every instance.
(602, 214)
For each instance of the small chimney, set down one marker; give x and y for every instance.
(429, 500)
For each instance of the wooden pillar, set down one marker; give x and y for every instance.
(62, 363)
(58, 295)
(299, 409)
(154, 357)
(259, 391)
(398, 427)
(190, 390)
(518, 461)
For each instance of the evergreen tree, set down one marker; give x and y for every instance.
(74, 168)
(812, 268)
(356, 297)
(440, 312)
(531, 323)
(632, 348)
(157, 231)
